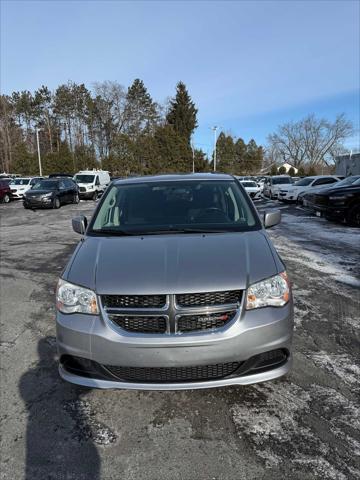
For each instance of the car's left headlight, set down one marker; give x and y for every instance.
(272, 292)
(72, 298)
(46, 195)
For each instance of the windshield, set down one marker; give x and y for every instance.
(348, 181)
(84, 178)
(281, 180)
(20, 181)
(248, 184)
(179, 206)
(303, 182)
(45, 185)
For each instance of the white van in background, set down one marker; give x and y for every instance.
(92, 183)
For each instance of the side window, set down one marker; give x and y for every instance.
(324, 181)
(69, 183)
(62, 185)
(97, 181)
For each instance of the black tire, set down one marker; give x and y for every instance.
(6, 198)
(95, 196)
(56, 203)
(76, 199)
(353, 216)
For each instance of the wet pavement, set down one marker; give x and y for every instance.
(304, 426)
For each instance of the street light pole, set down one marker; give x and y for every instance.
(214, 129)
(38, 149)
(193, 156)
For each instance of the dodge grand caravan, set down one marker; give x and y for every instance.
(174, 285)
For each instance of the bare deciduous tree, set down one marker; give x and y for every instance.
(311, 140)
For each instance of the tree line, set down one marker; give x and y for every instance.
(122, 130)
(125, 131)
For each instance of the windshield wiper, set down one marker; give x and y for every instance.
(180, 230)
(113, 231)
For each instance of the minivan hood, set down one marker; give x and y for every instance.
(167, 264)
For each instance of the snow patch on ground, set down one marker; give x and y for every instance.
(341, 365)
(271, 418)
(321, 261)
(86, 426)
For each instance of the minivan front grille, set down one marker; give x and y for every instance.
(193, 323)
(134, 301)
(173, 374)
(173, 313)
(140, 324)
(208, 298)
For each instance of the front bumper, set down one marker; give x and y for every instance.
(334, 211)
(16, 194)
(287, 196)
(37, 202)
(251, 333)
(86, 195)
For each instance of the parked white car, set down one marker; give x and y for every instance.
(290, 193)
(252, 189)
(272, 185)
(19, 186)
(92, 183)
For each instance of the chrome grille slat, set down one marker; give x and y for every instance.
(182, 313)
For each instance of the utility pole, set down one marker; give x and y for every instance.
(214, 130)
(38, 149)
(193, 156)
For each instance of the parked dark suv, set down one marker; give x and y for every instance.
(52, 193)
(341, 203)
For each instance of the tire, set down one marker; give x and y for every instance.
(353, 216)
(6, 198)
(76, 199)
(56, 203)
(95, 196)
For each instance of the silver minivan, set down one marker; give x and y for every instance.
(174, 284)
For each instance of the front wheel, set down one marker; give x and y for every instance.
(353, 216)
(6, 198)
(95, 196)
(76, 199)
(56, 203)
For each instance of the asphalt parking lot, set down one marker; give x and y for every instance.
(305, 426)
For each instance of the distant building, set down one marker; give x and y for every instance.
(347, 165)
(287, 167)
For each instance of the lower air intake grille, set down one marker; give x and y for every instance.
(192, 323)
(208, 298)
(173, 374)
(140, 324)
(82, 189)
(133, 301)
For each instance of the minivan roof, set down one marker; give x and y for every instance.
(174, 178)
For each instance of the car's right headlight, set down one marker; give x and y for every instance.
(72, 298)
(272, 292)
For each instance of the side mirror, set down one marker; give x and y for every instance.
(79, 224)
(272, 218)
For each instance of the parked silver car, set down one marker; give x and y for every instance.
(174, 285)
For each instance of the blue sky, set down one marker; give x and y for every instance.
(249, 65)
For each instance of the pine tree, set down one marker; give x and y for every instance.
(225, 153)
(182, 113)
(141, 112)
(240, 157)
